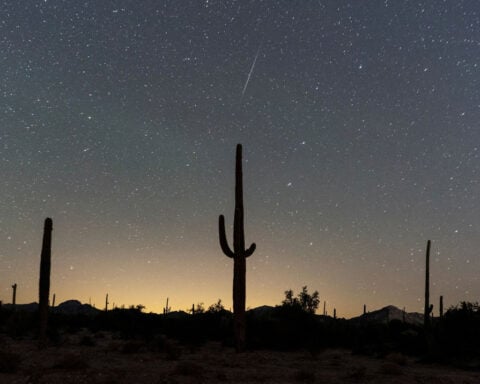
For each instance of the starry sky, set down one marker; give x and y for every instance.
(359, 123)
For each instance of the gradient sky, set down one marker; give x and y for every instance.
(360, 127)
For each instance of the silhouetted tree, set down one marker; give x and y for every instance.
(217, 307)
(290, 300)
(307, 302)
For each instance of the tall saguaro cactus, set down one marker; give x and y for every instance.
(428, 308)
(14, 295)
(44, 284)
(238, 254)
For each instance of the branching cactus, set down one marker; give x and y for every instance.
(238, 254)
(44, 283)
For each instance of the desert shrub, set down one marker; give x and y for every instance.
(9, 362)
(458, 332)
(288, 328)
(216, 307)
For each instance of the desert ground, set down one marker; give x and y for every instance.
(104, 359)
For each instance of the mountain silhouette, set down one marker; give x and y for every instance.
(389, 313)
(75, 307)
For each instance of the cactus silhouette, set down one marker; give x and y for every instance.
(44, 283)
(441, 306)
(238, 254)
(428, 308)
(166, 309)
(106, 303)
(14, 295)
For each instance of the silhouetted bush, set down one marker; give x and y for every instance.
(457, 333)
(455, 338)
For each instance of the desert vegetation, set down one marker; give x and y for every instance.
(285, 343)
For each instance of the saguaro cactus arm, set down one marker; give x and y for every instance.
(250, 250)
(223, 238)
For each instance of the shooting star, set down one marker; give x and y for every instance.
(252, 68)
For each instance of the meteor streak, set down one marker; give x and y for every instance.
(252, 68)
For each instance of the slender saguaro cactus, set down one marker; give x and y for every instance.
(44, 283)
(238, 254)
(166, 309)
(441, 306)
(106, 303)
(334, 313)
(428, 308)
(53, 301)
(14, 295)
(364, 309)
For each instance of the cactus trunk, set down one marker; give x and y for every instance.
(427, 308)
(239, 255)
(44, 283)
(441, 306)
(14, 295)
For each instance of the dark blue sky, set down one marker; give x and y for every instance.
(359, 122)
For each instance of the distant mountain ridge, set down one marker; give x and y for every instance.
(69, 307)
(75, 307)
(389, 313)
(383, 315)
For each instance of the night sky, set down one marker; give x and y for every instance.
(360, 129)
